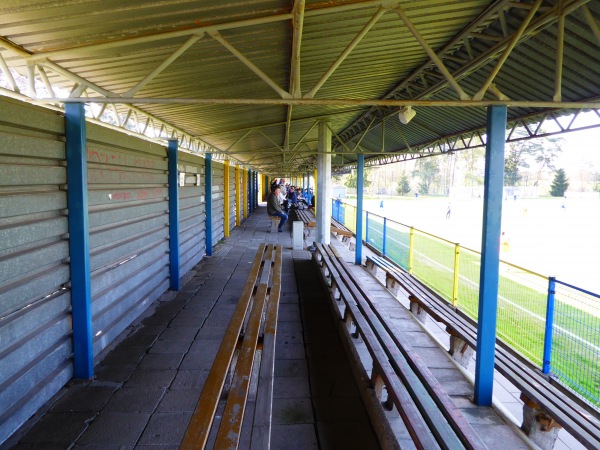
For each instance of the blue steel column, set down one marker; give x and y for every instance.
(360, 185)
(547, 358)
(490, 254)
(175, 276)
(208, 197)
(79, 240)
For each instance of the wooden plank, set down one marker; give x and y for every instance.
(424, 398)
(202, 419)
(261, 430)
(230, 427)
(340, 231)
(437, 403)
(525, 378)
(415, 424)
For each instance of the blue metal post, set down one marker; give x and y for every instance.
(174, 264)
(547, 360)
(367, 227)
(384, 236)
(208, 196)
(360, 187)
(255, 190)
(490, 254)
(79, 240)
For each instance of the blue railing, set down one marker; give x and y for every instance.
(552, 323)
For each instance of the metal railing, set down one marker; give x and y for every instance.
(551, 323)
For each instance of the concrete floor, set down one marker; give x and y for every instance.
(146, 387)
(148, 382)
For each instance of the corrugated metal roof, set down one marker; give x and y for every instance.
(188, 63)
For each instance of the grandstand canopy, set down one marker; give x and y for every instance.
(250, 80)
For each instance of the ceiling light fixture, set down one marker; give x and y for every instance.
(406, 114)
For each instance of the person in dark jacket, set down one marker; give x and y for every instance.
(274, 208)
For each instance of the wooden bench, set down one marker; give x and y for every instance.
(340, 230)
(255, 313)
(274, 224)
(430, 416)
(551, 402)
(306, 219)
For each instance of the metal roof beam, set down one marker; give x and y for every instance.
(509, 48)
(263, 76)
(176, 54)
(294, 86)
(432, 55)
(591, 103)
(362, 33)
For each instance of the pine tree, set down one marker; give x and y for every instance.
(403, 186)
(560, 184)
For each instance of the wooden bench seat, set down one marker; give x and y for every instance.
(341, 231)
(255, 313)
(430, 416)
(555, 405)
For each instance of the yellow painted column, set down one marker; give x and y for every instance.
(238, 196)
(245, 189)
(226, 199)
(315, 193)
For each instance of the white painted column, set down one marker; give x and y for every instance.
(324, 190)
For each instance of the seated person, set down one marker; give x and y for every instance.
(292, 198)
(301, 199)
(274, 208)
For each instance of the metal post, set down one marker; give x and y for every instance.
(384, 236)
(490, 255)
(79, 240)
(315, 190)
(367, 227)
(360, 185)
(245, 195)
(411, 247)
(455, 283)
(255, 190)
(238, 198)
(547, 360)
(174, 263)
(208, 196)
(226, 207)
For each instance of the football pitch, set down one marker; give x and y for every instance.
(542, 236)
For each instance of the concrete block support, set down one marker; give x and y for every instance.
(538, 425)
(460, 351)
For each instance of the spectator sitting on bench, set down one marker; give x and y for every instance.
(292, 198)
(273, 207)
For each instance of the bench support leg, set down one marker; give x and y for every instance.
(460, 351)
(417, 311)
(372, 268)
(538, 425)
(392, 286)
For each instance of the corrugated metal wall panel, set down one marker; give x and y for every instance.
(35, 318)
(128, 219)
(218, 202)
(232, 205)
(192, 212)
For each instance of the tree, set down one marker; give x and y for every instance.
(525, 153)
(403, 186)
(560, 184)
(352, 179)
(427, 169)
(511, 168)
